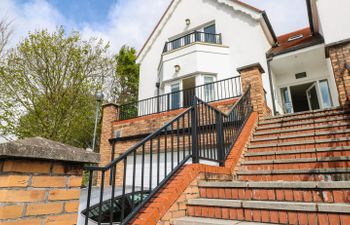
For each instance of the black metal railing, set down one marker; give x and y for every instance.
(193, 37)
(216, 91)
(199, 133)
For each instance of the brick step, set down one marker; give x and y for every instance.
(302, 124)
(302, 130)
(209, 221)
(302, 153)
(302, 163)
(313, 112)
(298, 117)
(302, 136)
(317, 174)
(271, 212)
(295, 145)
(317, 192)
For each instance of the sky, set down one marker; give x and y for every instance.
(124, 21)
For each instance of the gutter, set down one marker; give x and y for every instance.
(268, 23)
(311, 19)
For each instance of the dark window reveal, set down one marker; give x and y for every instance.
(300, 75)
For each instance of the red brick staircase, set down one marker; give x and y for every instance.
(296, 170)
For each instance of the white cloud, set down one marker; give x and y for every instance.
(129, 22)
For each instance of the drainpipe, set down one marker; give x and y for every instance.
(158, 104)
(271, 88)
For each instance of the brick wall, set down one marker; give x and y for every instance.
(339, 56)
(34, 192)
(171, 201)
(252, 76)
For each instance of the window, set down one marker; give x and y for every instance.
(295, 37)
(209, 88)
(209, 34)
(176, 44)
(175, 96)
(117, 133)
(326, 96)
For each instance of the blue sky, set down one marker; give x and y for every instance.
(124, 21)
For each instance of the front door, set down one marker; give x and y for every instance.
(312, 97)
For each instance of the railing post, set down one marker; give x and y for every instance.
(220, 138)
(195, 153)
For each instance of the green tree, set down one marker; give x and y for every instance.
(127, 71)
(48, 84)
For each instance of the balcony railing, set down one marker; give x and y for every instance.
(216, 91)
(188, 39)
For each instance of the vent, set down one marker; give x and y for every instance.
(295, 37)
(300, 75)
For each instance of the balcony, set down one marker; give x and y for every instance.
(191, 38)
(211, 92)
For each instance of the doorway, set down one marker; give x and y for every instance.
(305, 97)
(189, 85)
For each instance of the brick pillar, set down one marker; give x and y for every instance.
(252, 75)
(340, 59)
(110, 113)
(40, 182)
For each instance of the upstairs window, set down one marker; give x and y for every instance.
(209, 34)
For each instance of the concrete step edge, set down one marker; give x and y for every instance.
(260, 133)
(210, 221)
(302, 117)
(287, 143)
(307, 112)
(298, 160)
(322, 133)
(287, 152)
(278, 185)
(300, 123)
(273, 205)
(287, 171)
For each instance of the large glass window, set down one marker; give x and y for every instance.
(175, 96)
(326, 96)
(209, 88)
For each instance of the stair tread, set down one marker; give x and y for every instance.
(296, 160)
(276, 205)
(287, 152)
(293, 171)
(210, 221)
(288, 143)
(322, 133)
(279, 184)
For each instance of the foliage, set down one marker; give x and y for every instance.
(48, 84)
(126, 83)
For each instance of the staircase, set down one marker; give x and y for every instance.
(296, 170)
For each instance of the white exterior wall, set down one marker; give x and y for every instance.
(334, 19)
(245, 38)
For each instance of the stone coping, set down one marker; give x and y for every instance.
(41, 148)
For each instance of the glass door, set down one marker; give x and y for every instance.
(313, 97)
(175, 96)
(286, 99)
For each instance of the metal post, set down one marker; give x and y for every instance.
(195, 150)
(99, 97)
(220, 138)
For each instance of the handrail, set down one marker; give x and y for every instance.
(200, 132)
(193, 37)
(215, 91)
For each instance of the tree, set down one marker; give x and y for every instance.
(5, 34)
(127, 71)
(48, 84)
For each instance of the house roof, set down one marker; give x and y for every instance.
(295, 40)
(245, 5)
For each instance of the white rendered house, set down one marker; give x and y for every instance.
(198, 42)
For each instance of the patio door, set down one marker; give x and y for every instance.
(313, 97)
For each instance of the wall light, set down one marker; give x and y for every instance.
(188, 22)
(177, 68)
